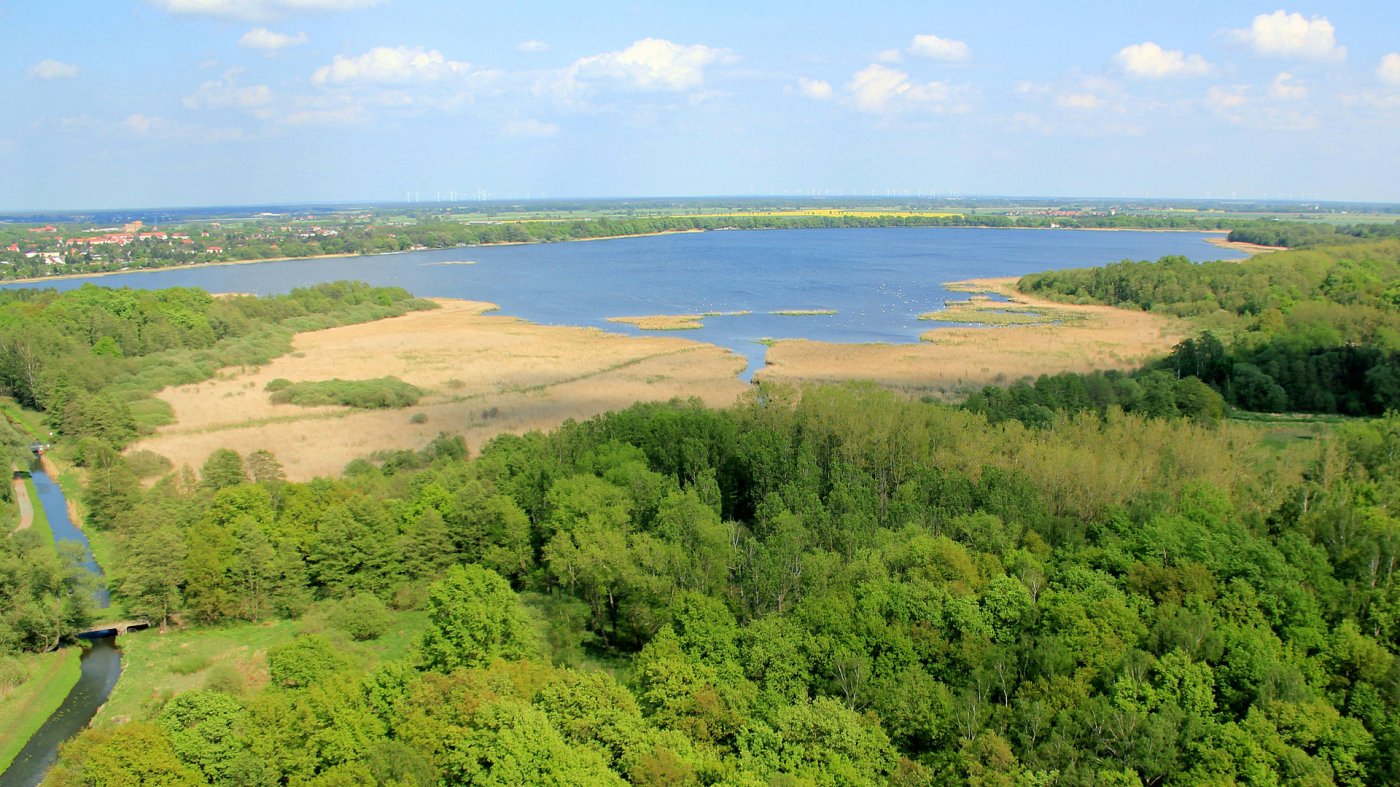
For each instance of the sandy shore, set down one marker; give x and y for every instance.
(951, 361)
(1248, 248)
(485, 375)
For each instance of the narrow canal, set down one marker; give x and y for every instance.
(101, 663)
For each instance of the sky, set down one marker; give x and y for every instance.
(168, 103)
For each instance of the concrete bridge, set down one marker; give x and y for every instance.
(116, 628)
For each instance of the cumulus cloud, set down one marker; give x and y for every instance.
(390, 65)
(939, 48)
(1148, 60)
(1389, 69)
(226, 93)
(878, 89)
(52, 69)
(1282, 34)
(529, 129)
(1078, 101)
(142, 124)
(817, 89)
(1285, 88)
(1225, 98)
(256, 10)
(532, 46)
(269, 41)
(654, 64)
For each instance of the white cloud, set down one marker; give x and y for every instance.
(1389, 69)
(390, 65)
(1225, 98)
(256, 10)
(269, 41)
(142, 124)
(877, 89)
(817, 89)
(532, 46)
(1078, 101)
(1291, 35)
(1150, 61)
(1285, 88)
(529, 129)
(654, 64)
(225, 93)
(939, 48)
(52, 69)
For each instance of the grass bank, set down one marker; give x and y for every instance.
(27, 705)
(156, 667)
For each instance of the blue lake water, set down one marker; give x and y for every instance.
(878, 280)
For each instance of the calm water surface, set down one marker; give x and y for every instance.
(878, 280)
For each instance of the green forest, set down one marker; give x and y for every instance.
(844, 587)
(1084, 579)
(1314, 331)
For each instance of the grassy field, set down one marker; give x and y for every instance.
(156, 667)
(25, 707)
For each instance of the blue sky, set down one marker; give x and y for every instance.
(143, 103)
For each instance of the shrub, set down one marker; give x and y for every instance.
(188, 663)
(363, 617)
(382, 392)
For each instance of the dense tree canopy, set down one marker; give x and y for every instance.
(839, 588)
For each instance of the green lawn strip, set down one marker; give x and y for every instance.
(53, 675)
(156, 667)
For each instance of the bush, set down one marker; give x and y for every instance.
(188, 663)
(363, 617)
(277, 384)
(13, 672)
(148, 464)
(382, 392)
(225, 677)
(419, 418)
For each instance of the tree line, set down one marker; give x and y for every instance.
(1315, 331)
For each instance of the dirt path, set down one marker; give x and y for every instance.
(26, 506)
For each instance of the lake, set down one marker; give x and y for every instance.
(877, 280)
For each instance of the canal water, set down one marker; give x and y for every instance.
(101, 663)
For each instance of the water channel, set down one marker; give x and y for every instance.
(101, 663)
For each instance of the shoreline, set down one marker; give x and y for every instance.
(1244, 247)
(343, 255)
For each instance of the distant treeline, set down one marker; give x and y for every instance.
(256, 243)
(1310, 331)
(1301, 234)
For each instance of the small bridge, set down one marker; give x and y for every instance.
(116, 628)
